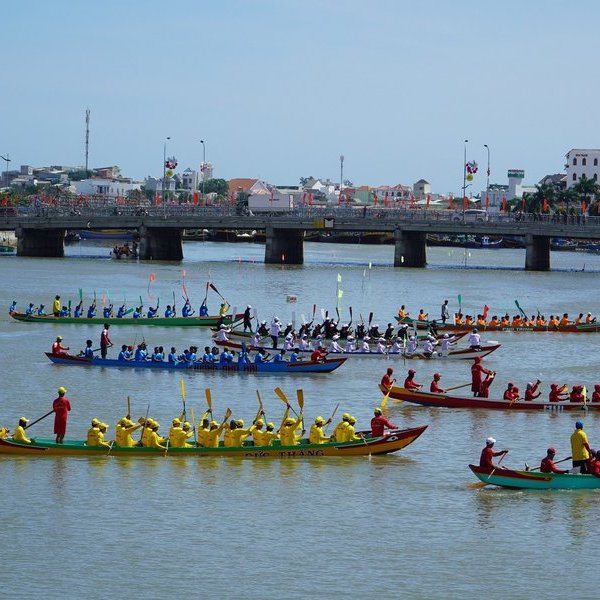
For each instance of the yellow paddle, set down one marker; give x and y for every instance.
(384, 402)
(284, 399)
(194, 427)
(183, 398)
(208, 394)
(456, 387)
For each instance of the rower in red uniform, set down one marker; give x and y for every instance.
(557, 394)
(410, 383)
(594, 466)
(61, 407)
(511, 393)
(477, 370)
(531, 393)
(434, 387)
(386, 381)
(484, 390)
(58, 348)
(576, 394)
(596, 394)
(486, 460)
(547, 465)
(379, 423)
(318, 354)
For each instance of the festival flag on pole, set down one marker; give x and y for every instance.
(503, 204)
(486, 309)
(428, 200)
(195, 197)
(310, 199)
(583, 207)
(487, 202)
(385, 199)
(545, 206)
(157, 199)
(451, 202)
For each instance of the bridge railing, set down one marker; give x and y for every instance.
(381, 214)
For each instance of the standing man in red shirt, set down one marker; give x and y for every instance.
(486, 460)
(61, 407)
(386, 381)
(105, 341)
(379, 423)
(477, 370)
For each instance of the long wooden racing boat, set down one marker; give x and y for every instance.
(447, 401)
(464, 353)
(267, 367)
(534, 480)
(194, 321)
(571, 328)
(392, 441)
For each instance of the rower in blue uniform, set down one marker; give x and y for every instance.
(107, 311)
(187, 310)
(208, 355)
(203, 310)
(151, 312)
(121, 312)
(78, 310)
(173, 360)
(295, 355)
(137, 312)
(40, 311)
(169, 313)
(64, 312)
(13, 307)
(280, 356)
(140, 352)
(124, 354)
(260, 357)
(91, 312)
(87, 352)
(30, 310)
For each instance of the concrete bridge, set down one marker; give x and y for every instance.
(40, 230)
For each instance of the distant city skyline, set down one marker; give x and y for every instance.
(279, 90)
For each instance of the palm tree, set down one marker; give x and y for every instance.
(586, 189)
(535, 201)
(565, 197)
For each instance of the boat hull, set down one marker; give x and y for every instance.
(463, 354)
(534, 480)
(208, 321)
(392, 441)
(446, 401)
(270, 367)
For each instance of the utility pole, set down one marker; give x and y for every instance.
(87, 138)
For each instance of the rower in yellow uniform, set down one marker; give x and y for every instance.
(228, 440)
(317, 435)
(188, 432)
(92, 434)
(125, 427)
(154, 440)
(350, 433)
(224, 308)
(339, 431)
(102, 429)
(203, 428)
(20, 435)
(469, 320)
(239, 434)
(258, 435)
(211, 439)
(494, 322)
(146, 431)
(175, 432)
(481, 321)
(288, 430)
(402, 313)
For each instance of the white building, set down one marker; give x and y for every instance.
(155, 184)
(582, 162)
(499, 192)
(189, 180)
(110, 188)
(206, 171)
(421, 189)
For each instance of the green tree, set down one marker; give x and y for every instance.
(215, 186)
(564, 198)
(586, 189)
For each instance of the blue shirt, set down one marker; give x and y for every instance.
(78, 310)
(242, 358)
(294, 357)
(91, 313)
(136, 314)
(186, 311)
(88, 353)
(169, 313)
(203, 312)
(258, 358)
(140, 354)
(124, 355)
(40, 312)
(173, 358)
(12, 308)
(208, 357)
(29, 310)
(151, 312)
(107, 311)
(158, 357)
(121, 312)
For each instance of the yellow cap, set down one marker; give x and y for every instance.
(95, 422)
(346, 416)
(176, 421)
(62, 390)
(259, 422)
(187, 424)
(289, 421)
(239, 422)
(270, 425)
(103, 426)
(24, 419)
(319, 421)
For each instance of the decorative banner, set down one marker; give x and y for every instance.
(169, 173)
(471, 167)
(171, 163)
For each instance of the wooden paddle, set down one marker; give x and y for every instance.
(212, 287)
(194, 427)
(284, 399)
(144, 425)
(482, 484)
(38, 420)
(456, 387)
(128, 407)
(261, 409)
(300, 398)
(520, 309)
(528, 468)
(208, 394)
(333, 413)
(384, 402)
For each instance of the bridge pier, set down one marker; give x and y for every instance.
(537, 252)
(410, 249)
(40, 242)
(284, 246)
(160, 243)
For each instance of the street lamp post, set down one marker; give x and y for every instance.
(487, 183)
(203, 165)
(464, 188)
(7, 159)
(164, 175)
(341, 175)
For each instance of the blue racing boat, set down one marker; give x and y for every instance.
(287, 368)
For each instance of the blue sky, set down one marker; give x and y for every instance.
(279, 89)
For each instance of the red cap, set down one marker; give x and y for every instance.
(411, 371)
(551, 451)
(436, 375)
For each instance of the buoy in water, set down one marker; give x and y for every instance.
(292, 298)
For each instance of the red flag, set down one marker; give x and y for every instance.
(545, 207)
(428, 200)
(195, 197)
(157, 199)
(486, 309)
(310, 199)
(583, 207)
(4, 201)
(503, 204)
(451, 203)
(487, 202)
(375, 198)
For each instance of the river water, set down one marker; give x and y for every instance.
(403, 525)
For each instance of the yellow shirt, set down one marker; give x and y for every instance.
(56, 306)
(123, 435)
(154, 440)
(316, 435)
(175, 432)
(92, 436)
(20, 435)
(578, 450)
(350, 435)
(288, 433)
(212, 437)
(339, 433)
